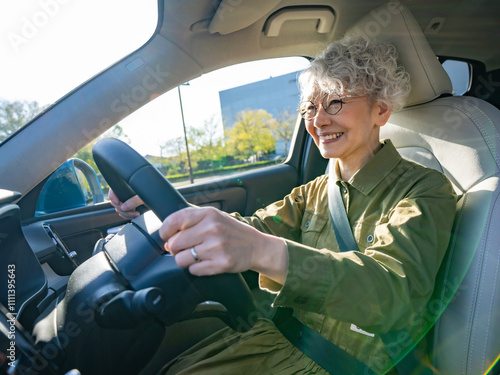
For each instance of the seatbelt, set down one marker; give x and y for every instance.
(338, 214)
(346, 242)
(325, 353)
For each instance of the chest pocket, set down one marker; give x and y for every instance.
(312, 227)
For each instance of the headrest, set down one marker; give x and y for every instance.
(393, 23)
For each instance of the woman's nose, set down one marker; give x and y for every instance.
(322, 118)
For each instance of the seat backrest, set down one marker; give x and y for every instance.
(460, 137)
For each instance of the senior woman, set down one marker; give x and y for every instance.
(400, 214)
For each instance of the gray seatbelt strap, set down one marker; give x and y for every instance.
(325, 353)
(346, 242)
(338, 214)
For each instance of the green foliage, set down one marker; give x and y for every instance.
(251, 134)
(175, 150)
(206, 145)
(284, 127)
(254, 133)
(220, 171)
(16, 114)
(205, 149)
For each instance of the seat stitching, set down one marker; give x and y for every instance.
(448, 265)
(481, 250)
(476, 122)
(492, 294)
(468, 332)
(481, 127)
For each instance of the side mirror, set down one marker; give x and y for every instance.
(74, 184)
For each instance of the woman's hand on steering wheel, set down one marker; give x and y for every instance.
(210, 242)
(126, 209)
(130, 174)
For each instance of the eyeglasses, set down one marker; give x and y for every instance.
(332, 104)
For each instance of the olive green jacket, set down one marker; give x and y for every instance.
(401, 215)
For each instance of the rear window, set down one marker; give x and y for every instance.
(460, 75)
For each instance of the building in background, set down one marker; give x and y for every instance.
(276, 95)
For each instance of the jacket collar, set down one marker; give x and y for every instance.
(375, 171)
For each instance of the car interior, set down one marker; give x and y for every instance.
(87, 307)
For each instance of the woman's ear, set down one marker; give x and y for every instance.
(382, 112)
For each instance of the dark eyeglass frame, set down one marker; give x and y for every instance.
(303, 105)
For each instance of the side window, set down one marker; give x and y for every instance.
(234, 119)
(231, 120)
(460, 76)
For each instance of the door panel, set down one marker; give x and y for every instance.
(77, 231)
(80, 229)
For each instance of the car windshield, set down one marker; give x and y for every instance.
(49, 47)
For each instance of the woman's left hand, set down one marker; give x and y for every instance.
(209, 242)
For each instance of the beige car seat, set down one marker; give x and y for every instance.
(460, 137)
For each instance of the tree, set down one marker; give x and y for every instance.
(251, 134)
(206, 143)
(14, 115)
(284, 127)
(116, 132)
(175, 149)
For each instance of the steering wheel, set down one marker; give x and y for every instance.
(128, 173)
(118, 302)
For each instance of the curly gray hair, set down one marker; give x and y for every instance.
(357, 66)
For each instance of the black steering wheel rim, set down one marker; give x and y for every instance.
(126, 170)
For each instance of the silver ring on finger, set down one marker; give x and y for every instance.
(194, 254)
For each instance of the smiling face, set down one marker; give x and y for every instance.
(358, 66)
(352, 134)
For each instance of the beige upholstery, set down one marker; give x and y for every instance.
(395, 24)
(460, 137)
(467, 336)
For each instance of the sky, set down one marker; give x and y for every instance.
(49, 47)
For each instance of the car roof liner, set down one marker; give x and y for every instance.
(231, 16)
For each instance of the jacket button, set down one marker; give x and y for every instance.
(369, 239)
(301, 300)
(307, 224)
